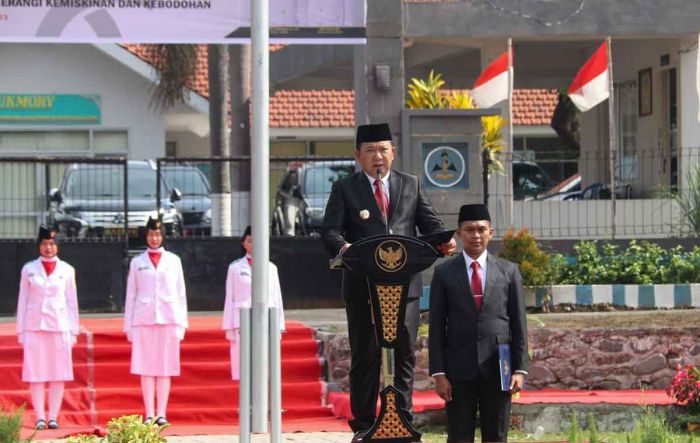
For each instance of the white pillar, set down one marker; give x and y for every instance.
(689, 151)
(260, 223)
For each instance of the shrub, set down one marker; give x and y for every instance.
(126, 429)
(131, 428)
(593, 436)
(685, 389)
(574, 434)
(11, 424)
(535, 264)
(642, 263)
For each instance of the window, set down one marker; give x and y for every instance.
(626, 126)
(70, 142)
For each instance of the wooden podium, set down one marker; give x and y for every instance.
(388, 262)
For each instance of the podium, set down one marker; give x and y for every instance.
(388, 262)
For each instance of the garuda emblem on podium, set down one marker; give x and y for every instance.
(391, 256)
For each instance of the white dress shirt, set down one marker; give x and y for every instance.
(385, 184)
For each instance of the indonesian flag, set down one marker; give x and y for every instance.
(492, 85)
(592, 83)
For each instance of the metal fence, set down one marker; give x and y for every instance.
(212, 195)
(554, 195)
(85, 198)
(657, 194)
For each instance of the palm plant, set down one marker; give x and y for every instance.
(428, 94)
(688, 201)
(175, 67)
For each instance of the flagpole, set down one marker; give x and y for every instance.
(511, 146)
(612, 136)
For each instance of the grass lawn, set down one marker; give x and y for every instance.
(676, 318)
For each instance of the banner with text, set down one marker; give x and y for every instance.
(178, 21)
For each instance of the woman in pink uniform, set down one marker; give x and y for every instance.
(155, 319)
(47, 326)
(238, 290)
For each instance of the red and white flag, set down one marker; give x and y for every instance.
(592, 83)
(492, 85)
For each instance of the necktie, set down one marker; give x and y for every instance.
(155, 258)
(250, 261)
(381, 199)
(49, 266)
(477, 286)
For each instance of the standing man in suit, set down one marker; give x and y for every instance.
(476, 303)
(371, 202)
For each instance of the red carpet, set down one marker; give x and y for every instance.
(203, 396)
(429, 400)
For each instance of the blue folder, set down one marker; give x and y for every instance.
(504, 366)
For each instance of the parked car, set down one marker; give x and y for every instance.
(195, 205)
(567, 189)
(302, 195)
(529, 180)
(89, 202)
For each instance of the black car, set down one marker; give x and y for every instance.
(303, 193)
(529, 180)
(195, 204)
(89, 202)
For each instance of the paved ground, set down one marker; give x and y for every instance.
(312, 437)
(315, 437)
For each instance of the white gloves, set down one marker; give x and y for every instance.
(180, 332)
(128, 336)
(231, 335)
(20, 338)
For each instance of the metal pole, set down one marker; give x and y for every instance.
(511, 146)
(244, 381)
(275, 377)
(612, 136)
(260, 191)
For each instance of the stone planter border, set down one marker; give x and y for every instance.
(633, 296)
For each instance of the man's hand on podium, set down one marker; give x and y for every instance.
(449, 248)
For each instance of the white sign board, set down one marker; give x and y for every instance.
(178, 21)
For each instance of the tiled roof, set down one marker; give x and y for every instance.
(334, 108)
(200, 83)
(534, 107)
(318, 108)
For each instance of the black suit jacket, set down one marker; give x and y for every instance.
(463, 343)
(409, 209)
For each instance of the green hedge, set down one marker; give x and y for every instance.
(641, 263)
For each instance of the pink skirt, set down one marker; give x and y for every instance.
(236, 356)
(47, 357)
(155, 351)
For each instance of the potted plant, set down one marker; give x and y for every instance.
(685, 390)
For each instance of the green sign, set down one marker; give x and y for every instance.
(49, 109)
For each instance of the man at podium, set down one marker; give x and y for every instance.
(377, 200)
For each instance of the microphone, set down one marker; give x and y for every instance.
(384, 214)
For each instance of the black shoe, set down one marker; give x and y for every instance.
(53, 424)
(40, 425)
(162, 421)
(357, 438)
(147, 420)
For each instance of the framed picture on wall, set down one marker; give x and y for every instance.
(645, 95)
